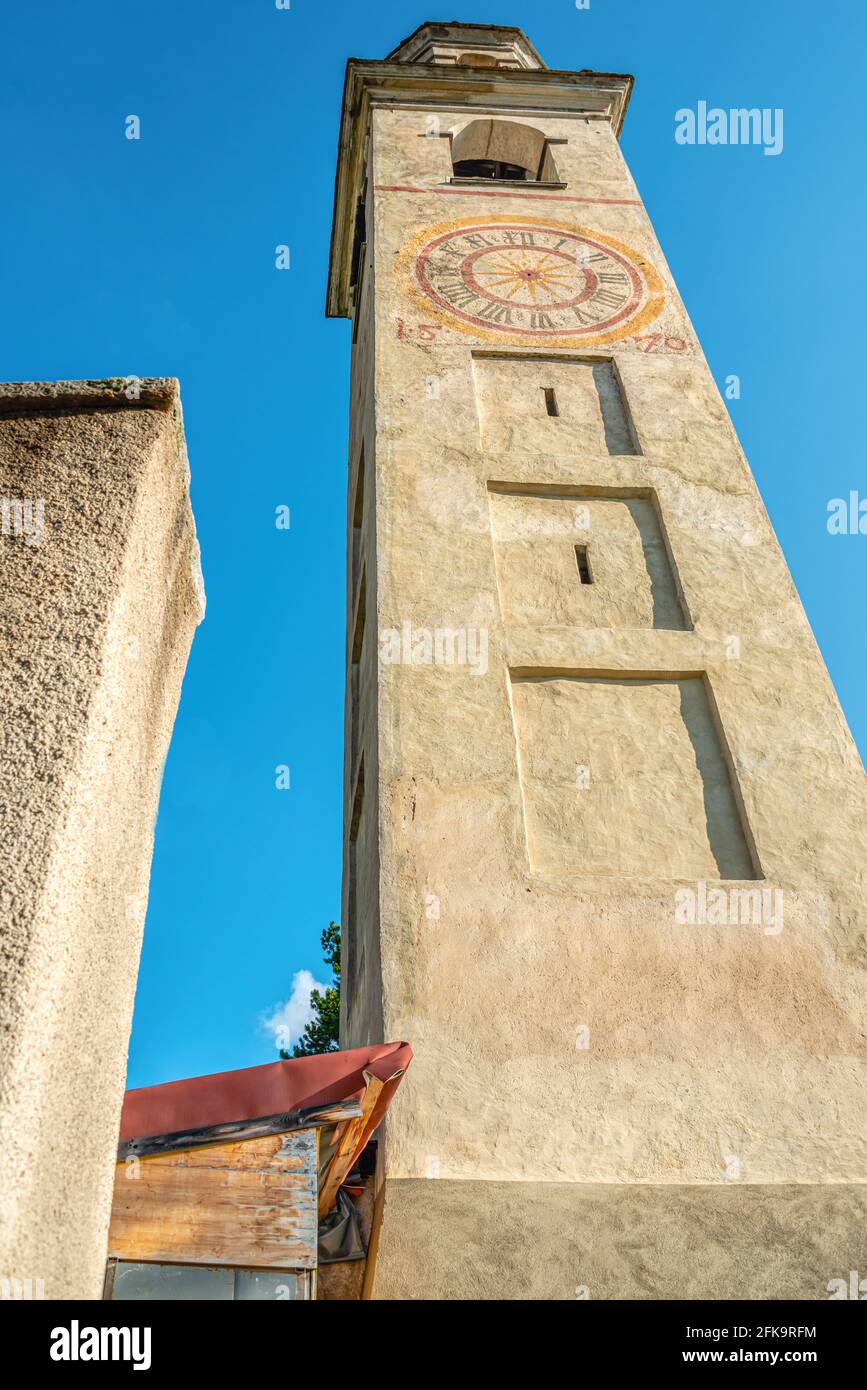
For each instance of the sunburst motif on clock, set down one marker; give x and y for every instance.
(535, 278)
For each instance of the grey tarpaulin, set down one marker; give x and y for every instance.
(340, 1233)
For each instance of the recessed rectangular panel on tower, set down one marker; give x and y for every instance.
(626, 776)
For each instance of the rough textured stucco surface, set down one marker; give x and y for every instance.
(648, 751)
(632, 582)
(567, 1025)
(95, 625)
(463, 1240)
(591, 416)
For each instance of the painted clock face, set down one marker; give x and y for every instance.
(536, 279)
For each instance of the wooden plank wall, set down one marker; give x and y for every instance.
(251, 1203)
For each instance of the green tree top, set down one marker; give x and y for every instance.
(322, 1033)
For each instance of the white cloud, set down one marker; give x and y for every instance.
(288, 1021)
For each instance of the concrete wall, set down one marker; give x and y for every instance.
(580, 1241)
(96, 621)
(621, 843)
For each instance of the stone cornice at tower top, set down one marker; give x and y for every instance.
(431, 85)
(454, 42)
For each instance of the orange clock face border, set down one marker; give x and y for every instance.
(509, 264)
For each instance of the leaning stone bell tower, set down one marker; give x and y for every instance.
(605, 828)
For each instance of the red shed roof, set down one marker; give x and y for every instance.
(227, 1097)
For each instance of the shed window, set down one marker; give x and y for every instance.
(204, 1284)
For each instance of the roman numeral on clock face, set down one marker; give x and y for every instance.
(458, 293)
(496, 313)
(609, 299)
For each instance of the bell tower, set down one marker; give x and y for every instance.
(605, 827)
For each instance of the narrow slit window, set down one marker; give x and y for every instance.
(583, 560)
(354, 946)
(358, 633)
(551, 400)
(357, 520)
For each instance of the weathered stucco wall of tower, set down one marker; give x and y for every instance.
(606, 827)
(101, 593)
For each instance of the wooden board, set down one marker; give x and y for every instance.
(351, 1142)
(373, 1245)
(251, 1203)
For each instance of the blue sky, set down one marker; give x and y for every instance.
(156, 257)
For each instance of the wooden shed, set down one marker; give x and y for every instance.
(225, 1183)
